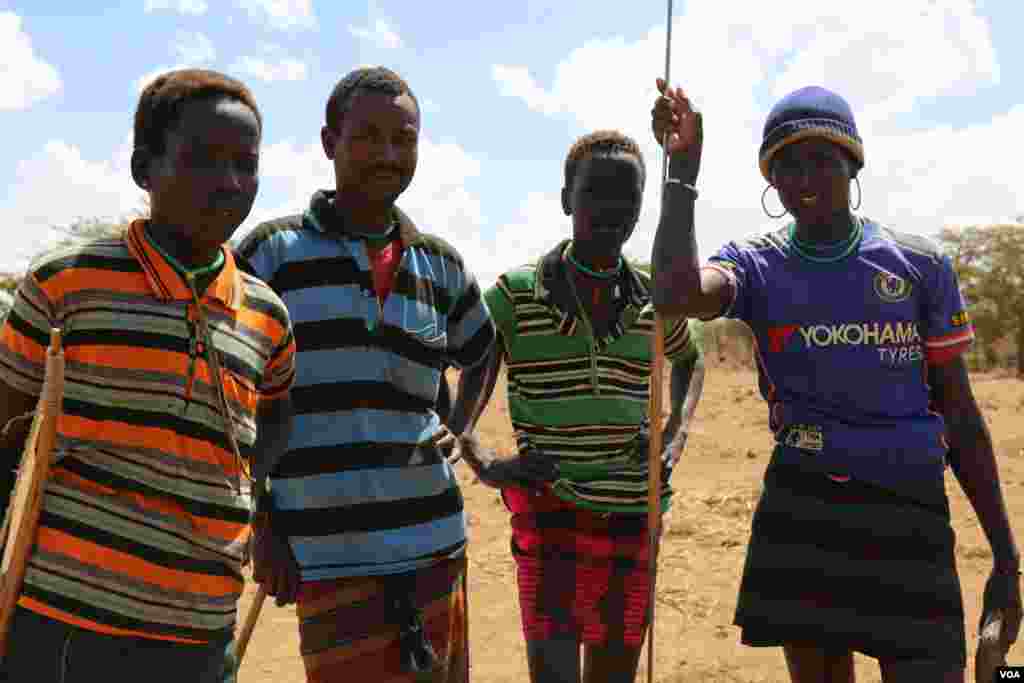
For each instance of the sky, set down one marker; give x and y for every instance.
(505, 88)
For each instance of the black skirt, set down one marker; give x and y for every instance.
(851, 567)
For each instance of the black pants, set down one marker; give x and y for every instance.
(43, 650)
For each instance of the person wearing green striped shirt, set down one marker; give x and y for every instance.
(575, 335)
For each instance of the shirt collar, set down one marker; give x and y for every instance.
(168, 285)
(551, 288)
(322, 217)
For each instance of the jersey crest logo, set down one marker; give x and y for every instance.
(891, 288)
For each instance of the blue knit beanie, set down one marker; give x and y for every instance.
(810, 112)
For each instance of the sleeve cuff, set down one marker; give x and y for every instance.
(943, 350)
(733, 285)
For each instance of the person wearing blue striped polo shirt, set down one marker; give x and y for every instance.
(365, 529)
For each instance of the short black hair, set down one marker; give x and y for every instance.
(601, 142)
(378, 79)
(162, 101)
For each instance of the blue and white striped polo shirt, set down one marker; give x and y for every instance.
(353, 492)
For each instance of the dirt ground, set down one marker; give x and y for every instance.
(702, 553)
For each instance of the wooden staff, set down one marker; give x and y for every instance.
(23, 511)
(251, 617)
(654, 478)
(655, 403)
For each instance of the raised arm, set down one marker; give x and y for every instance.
(681, 287)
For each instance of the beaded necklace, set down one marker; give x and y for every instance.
(605, 275)
(844, 247)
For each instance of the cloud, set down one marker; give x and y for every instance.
(58, 186)
(892, 56)
(194, 48)
(192, 7)
(516, 81)
(537, 226)
(24, 78)
(888, 59)
(381, 35)
(287, 69)
(285, 15)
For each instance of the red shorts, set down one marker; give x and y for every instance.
(582, 575)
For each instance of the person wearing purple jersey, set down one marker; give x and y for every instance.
(860, 332)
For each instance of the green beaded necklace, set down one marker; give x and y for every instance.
(196, 275)
(844, 246)
(609, 274)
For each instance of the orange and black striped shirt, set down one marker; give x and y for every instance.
(144, 524)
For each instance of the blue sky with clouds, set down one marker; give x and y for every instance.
(507, 87)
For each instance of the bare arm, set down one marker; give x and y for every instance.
(974, 460)
(974, 465)
(274, 428)
(274, 564)
(443, 404)
(686, 388)
(476, 385)
(681, 288)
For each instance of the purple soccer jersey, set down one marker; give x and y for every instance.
(843, 350)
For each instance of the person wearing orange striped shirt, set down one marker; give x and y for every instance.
(145, 528)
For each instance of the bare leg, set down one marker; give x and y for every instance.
(553, 661)
(617, 664)
(810, 664)
(911, 671)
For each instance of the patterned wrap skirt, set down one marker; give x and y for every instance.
(582, 575)
(847, 566)
(350, 629)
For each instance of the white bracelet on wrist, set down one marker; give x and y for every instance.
(682, 185)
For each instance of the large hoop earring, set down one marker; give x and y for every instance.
(859, 195)
(765, 208)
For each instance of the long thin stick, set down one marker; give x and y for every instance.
(668, 84)
(656, 391)
(27, 497)
(654, 480)
(251, 617)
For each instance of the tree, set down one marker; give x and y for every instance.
(78, 231)
(6, 301)
(88, 228)
(989, 261)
